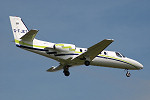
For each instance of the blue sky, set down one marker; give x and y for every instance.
(23, 74)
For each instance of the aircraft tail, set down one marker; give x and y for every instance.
(20, 31)
(18, 27)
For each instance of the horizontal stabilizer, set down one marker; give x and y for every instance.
(29, 36)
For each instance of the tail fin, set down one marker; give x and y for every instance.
(18, 27)
(20, 31)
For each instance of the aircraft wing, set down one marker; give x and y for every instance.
(89, 55)
(54, 69)
(93, 51)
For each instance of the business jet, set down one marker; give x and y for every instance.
(68, 55)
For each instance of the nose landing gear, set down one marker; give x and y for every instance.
(128, 73)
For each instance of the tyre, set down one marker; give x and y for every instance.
(128, 74)
(87, 63)
(66, 73)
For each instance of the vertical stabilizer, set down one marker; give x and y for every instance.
(18, 27)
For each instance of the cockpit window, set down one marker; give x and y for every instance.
(123, 55)
(118, 54)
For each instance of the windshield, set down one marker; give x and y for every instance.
(119, 55)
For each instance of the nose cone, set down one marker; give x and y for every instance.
(138, 65)
(135, 63)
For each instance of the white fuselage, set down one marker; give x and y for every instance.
(62, 53)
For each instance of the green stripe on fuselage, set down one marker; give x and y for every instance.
(26, 44)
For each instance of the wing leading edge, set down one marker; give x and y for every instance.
(94, 50)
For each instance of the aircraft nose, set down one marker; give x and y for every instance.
(138, 65)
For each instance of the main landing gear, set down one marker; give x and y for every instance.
(128, 73)
(66, 70)
(87, 63)
(66, 73)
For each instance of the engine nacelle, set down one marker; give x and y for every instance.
(65, 47)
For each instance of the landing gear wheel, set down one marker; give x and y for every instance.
(128, 74)
(66, 70)
(87, 63)
(66, 73)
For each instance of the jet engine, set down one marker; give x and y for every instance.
(64, 47)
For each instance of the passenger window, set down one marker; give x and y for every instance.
(80, 50)
(105, 53)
